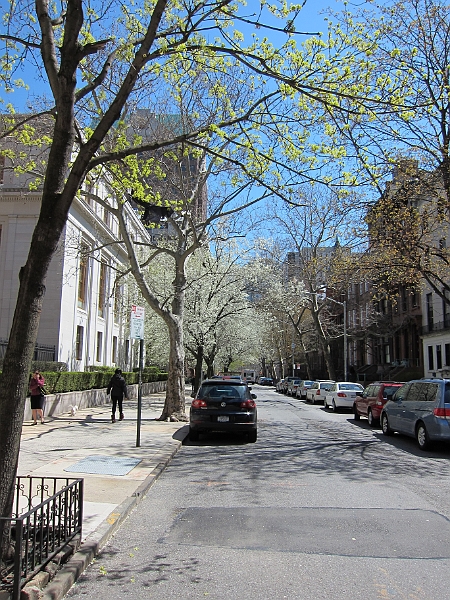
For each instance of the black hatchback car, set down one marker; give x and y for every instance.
(224, 405)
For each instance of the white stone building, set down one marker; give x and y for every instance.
(85, 316)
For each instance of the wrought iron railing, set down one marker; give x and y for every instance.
(43, 352)
(439, 326)
(47, 515)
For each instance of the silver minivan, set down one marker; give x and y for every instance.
(420, 409)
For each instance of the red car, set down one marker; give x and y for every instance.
(373, 398)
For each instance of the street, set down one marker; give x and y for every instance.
(320, 507)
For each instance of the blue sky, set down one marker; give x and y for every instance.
(309, 20)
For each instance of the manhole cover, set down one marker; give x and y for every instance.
(104, 465)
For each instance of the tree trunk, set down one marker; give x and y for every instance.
(324, 346)
(175, 404)
(22, 338)
(198, 368)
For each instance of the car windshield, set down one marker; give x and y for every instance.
(325, 386)
(221, 391)
(350, 386)
(308, 382)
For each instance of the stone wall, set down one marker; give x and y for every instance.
(59, 404)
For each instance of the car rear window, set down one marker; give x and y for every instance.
(221, 391)
(389, 390)
(447, 393)
(350, 386)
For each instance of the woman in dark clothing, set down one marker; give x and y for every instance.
(118, 389)
(37, 397)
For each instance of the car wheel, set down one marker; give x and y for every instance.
(356, 416)
(333, 406)
(370, 418)
(252, 436)
(193, 435)
(422, 437)
(385, 425)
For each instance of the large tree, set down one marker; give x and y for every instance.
(401, 51)
(100, 64)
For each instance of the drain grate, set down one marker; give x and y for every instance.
(104, 465)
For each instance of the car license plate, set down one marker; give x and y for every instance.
(222, 419)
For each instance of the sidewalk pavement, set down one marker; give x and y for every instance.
(116, 473)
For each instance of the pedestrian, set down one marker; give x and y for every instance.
(37, 398)
(118, 389)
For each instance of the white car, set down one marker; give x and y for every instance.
(317, 391)
(342, 394)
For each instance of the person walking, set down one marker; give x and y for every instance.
(118, 389)
(37, 398)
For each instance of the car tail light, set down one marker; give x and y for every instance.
(198, 403)
(318, 393)
(341, 395)
(248, 404)
(442, 412)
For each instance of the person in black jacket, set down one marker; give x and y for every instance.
(118, 389)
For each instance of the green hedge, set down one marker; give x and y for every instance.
(75, 381)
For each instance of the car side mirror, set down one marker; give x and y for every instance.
(193, 395)
(254, 396)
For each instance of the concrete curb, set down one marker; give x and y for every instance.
(71, 571)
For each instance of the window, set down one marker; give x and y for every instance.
(447, 355)
(83, 277)
(79, 343)
(404, 300)
(430, 358)
(99, 346)
(114, 349)
(438, 356)
(2, 169)
(429, 301)
(446, 307)
(127, 352)
(102, 290)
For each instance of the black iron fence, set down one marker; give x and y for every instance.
(42, 352)
(47, 515)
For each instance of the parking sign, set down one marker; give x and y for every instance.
(137, 322)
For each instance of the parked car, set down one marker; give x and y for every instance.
(285, 385)
(419, 409)
(372, 400)
(303, 388)
(223, 405)
(316, 392)
(342, 394)
(265, 381)
(292, 387)
(279, 386)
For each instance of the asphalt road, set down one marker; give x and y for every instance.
(320, 507)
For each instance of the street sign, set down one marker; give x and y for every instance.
(137, 322)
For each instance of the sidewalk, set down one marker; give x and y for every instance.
(116, 473)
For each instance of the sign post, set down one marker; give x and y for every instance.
(137, 333)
